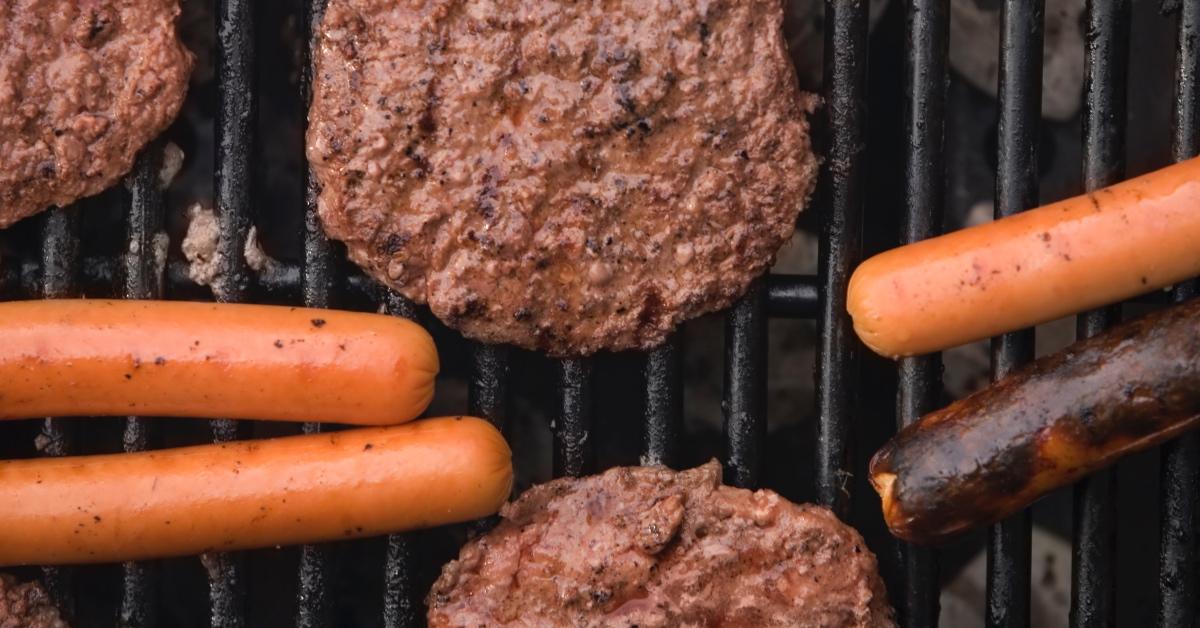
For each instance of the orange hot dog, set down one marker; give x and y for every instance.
(171, 358)
(1059, 259)
(298, 489)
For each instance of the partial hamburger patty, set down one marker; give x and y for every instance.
(643, 546)
(563, 176)
(83, 86)
(26, 606)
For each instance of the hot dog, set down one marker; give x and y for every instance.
(238, 495)
(992, 453)
(163, 358)
(1066, 257)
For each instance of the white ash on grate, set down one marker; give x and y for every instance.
(200, 246)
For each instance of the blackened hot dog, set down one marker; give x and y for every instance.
(1065, 415)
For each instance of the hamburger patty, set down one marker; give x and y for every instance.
(644, 546)
(26, 606)
(83, 86)
(563, 176)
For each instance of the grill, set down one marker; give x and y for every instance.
(63, 267)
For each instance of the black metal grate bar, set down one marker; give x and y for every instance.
(788, 296)
(919, 384)
(144, 224)
(664, 403)
(1008, 556)
(1093, 549)
(574, 453)
(60, 252)
(399, 602)
(487, 395)
(1178, 577)
(320, 269)
(143, 280)
(395, 304)
(841, 201)
(60, 261)
(317, 281)
(793, 296)
(400, 606)
(233, 194)
(235, 144)
(745, 403)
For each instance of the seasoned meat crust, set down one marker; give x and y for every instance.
(83, 86)
(646, 546)
(26, 606)
(563, 176)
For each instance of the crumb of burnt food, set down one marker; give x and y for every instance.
(26, 606)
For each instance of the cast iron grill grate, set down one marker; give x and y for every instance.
(62, 271)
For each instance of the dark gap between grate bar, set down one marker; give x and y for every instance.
(1093, 549)
(1008, 558)
(919, 381)
(233, 194)
(60, 261)
(574, 452)
(840, 248)
(144, 222)
(400, 605)
(1178, 579)
(664, 403)
(745, 402)
(318, 278)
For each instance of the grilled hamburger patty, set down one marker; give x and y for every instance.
(83, 86)
(643, 546)
(564, 176)
(26, 606)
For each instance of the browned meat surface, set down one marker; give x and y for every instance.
(26, 606)
(564, 176)
(83, 86)
(645, 546)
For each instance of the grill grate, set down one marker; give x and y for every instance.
(919, 385)
(1008, 564)
(664, 403)
(1093, 552)
(840, 198)
(235, 139)
(1178, 575)
(144, 220)
(745, 402)
(60, 257)
(574, 453)
(319, 281)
